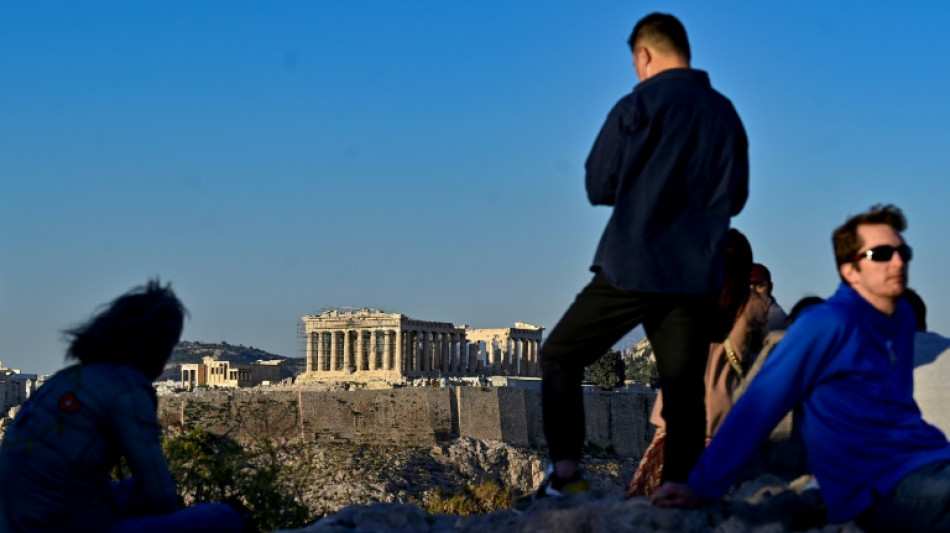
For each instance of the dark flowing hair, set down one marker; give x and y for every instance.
(735, 284)
(139, 328)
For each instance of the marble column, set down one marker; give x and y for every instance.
(347, 351)
(535, 366)
(398, 355)
(332, 351)
(321, 352)
(423, 351)
(473, 356)
(374, 349)
(360, 351)
(454, 353)
(444, 353)
(525, 361)
(522, 357)
(310, 354)
(463, 354)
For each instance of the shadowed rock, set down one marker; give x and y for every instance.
(763, 505)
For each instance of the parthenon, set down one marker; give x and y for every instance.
(345, 343)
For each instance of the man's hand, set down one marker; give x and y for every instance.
(671, 494)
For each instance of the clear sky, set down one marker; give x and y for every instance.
(271, 159)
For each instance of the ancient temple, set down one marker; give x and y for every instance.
(347, 343)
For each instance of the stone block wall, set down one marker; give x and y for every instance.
(408, 416)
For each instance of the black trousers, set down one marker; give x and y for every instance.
(678, 327)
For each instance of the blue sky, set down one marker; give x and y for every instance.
(272, 159)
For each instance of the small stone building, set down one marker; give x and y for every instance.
(214, 373)
(15, 388)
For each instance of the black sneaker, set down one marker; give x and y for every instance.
(552, 487)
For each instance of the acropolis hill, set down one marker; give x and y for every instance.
(413, 416)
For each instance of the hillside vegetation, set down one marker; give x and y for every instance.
(188, 352)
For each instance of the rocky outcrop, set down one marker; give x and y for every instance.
(766, 504)
(330, 478)
(385, 489)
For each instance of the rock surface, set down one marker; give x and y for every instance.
(331, 478)
(387, 498)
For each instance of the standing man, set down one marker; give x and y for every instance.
(847, 366)
(672, 160)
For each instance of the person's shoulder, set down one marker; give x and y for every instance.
(824, 318)
(627, 103)
(828, 311)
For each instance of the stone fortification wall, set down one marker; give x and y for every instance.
(409, 416)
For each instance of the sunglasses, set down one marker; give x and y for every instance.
(884, 253)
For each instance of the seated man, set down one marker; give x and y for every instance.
(761, 282)
(847, 366)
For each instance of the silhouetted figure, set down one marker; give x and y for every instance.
(57, 456)
(672, 161)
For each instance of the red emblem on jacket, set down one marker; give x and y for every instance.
(69, 403)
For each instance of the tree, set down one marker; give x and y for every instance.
(641, 364)
(256, 481)
(608, 371)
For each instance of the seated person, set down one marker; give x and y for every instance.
(784, 453)
(57, 457)
(761, 281)
(745, 313)
(846, 365)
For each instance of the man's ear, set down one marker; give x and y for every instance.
(646, 54)
(850, 272)
(642, 57)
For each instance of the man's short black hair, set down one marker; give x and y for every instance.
(662, 31)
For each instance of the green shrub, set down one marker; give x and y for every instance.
(608, 371)
(475, 498)
(209, 467)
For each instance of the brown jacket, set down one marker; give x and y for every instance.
(721, 378)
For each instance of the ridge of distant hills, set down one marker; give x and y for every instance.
(193, 352)
(187, 352)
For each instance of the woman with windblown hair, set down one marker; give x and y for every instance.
(57, 456)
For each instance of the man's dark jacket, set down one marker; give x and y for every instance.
(672, 158)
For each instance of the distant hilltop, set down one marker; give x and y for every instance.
(193, 352)
(190, 352)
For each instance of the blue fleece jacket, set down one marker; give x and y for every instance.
(56, 458)
(848, 368)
